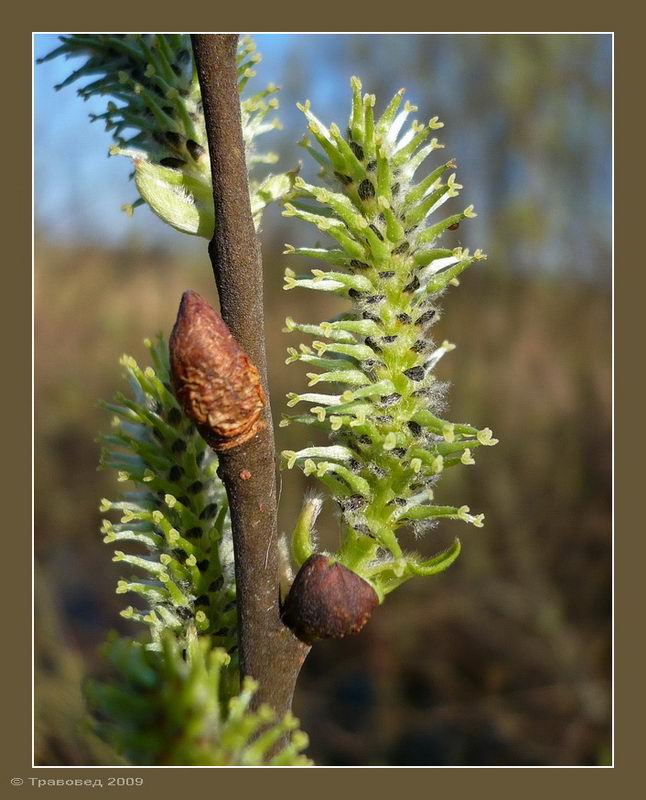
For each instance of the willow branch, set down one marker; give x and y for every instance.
(269, 652)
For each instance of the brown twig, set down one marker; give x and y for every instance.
(269, 652)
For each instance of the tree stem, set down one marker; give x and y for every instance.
(269, 652)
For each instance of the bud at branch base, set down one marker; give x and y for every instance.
(327, 601)
(213, 379)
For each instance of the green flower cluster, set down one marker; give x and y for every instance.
(175, 697)
(176, 516)
(156, 118)
(175, 707)
(389, 446)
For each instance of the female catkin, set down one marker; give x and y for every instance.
(388, 444)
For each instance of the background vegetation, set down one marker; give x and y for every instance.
(505, 658)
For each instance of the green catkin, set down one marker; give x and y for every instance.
(177, 707)
(155, 117)
(188, 564)
(388, 446)
(174, 696)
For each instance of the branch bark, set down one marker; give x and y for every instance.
(269, 651)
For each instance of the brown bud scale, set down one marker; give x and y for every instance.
(327, 601)
(213, 379)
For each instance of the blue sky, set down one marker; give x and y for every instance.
(79, 190)
(549, 196)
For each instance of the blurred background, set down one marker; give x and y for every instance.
(505, 659)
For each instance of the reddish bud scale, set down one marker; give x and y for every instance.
(327, 601)
(213, 379)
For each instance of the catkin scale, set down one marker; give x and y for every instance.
(213, 379)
